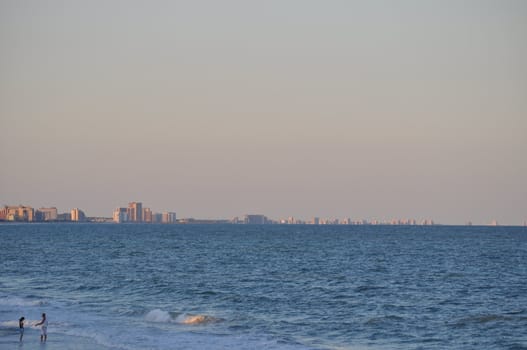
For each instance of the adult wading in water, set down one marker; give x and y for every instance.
(44, 329)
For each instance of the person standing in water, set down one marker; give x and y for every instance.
(44, 329)
(21, 325)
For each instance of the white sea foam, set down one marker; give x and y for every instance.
(161, 316)
(175, 340)
(98, 338)
(126, 334)
(158, 316)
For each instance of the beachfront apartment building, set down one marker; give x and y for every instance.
(120, 215)
(253, 219)
(47, 214)
(77, 215)
(135, 212)
(168, 217)
(17, 213)
(147, 215)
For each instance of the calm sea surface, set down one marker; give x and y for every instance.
(265, 287)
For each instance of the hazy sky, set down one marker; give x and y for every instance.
(214, 109)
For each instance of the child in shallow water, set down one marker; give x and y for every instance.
(21, 325)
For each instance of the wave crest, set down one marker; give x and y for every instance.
(158, 316)
(161, 316)
(15, 301)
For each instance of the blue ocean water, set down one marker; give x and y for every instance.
(266, 287)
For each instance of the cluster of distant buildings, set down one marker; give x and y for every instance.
(28, 214)
(262, 219)
(135, 213)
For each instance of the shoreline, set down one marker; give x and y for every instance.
(224, 223)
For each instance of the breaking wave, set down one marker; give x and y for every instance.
(161, 316)
(158, 316)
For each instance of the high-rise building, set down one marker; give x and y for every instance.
(120, 215)
(168, 218)
(157, 218)
(3, 213)
(255, 219)
(346, 221)
(147, 215)
(47, 214)
(77, 215)
(17, 213)
(135, 211)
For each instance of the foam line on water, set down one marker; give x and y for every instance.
(98, 338)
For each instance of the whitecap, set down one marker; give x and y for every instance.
(158, 316)
(161, 316)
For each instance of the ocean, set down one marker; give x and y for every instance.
(283, 287)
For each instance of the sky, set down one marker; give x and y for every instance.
(216, 109)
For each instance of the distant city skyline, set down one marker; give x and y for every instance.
(135, 212)
(362, 109)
